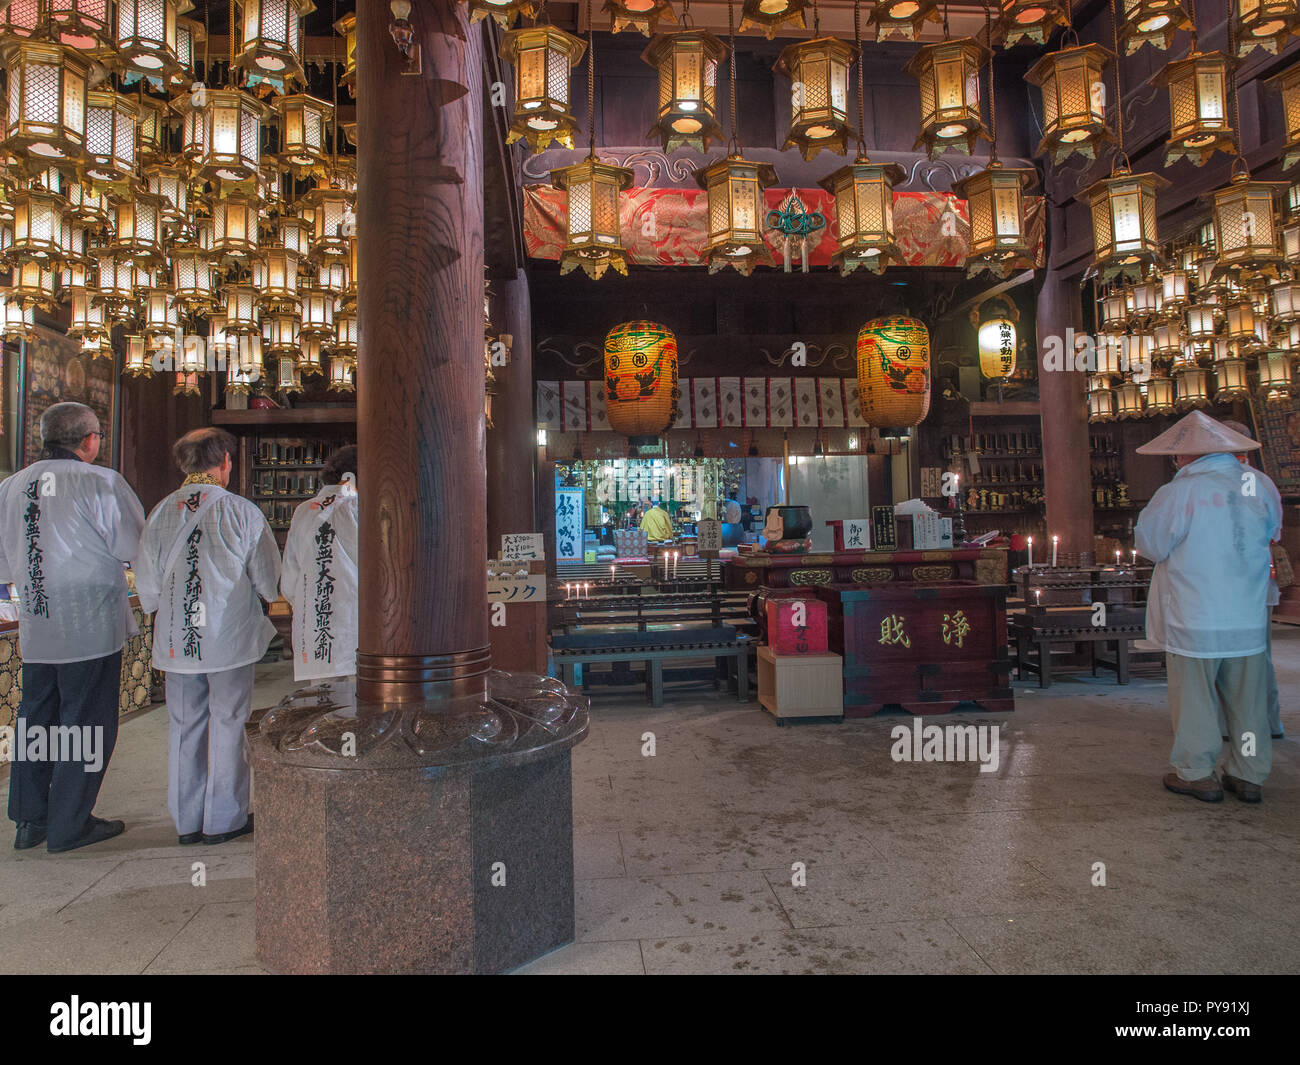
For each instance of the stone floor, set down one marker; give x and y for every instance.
(685, 860)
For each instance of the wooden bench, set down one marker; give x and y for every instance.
(645, 611)
(728, 648)
(1039, 629)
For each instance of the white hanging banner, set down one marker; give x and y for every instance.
(731, 409)
(756, 402)
(852, 408)
(596, 405)
(575, 406)
(706, 402)
(780, 403)
(832, 402)
(805, 393)
(548, 405)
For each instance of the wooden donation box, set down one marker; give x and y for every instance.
(924, 647)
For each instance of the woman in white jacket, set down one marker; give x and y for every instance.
(319, 578)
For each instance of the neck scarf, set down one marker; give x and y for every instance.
(201, 478)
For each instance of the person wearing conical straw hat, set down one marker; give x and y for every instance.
(1208, 531)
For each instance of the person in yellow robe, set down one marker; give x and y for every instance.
(656, 524)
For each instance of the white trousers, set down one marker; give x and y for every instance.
(1206, 691)
(207, 775)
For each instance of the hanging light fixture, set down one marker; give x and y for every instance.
(46, 116)
(1231, 380)
(83, 24)
(1074, 101)
(542, 57)
(640, 15)
(948, 75)
(138, 227)
(190, 35)
(136, 361)
(37, 225)
(275, 275)
(310, 360)
(230, 145)
(1030, 20)
(317, 307)
(146, 35)
(1266, 24)
(771, 15)
(1161, 395)
(346, 27)
(1153, 22)
(1101, 404)
(995, 324)
(503, 12)
(345, 332)
(1275, 377)
(272, 39)
(1193, 390)
(1287, 85)
(241, 310)
(304, 133)
(902, 18)
(333, 219)
(1198, 106)
(735, 194)
(687, 63)
(110, 136)
(819, 92)
(1123, 208)
(192, 278)
(341, 370)
(1128, 401)
(1245, 232)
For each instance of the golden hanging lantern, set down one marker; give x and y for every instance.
(332, 276)
(1074, 101)
(1245, 232)
(640, 15)
(222, 345)
(1030, 20)
(641, 379)
(1167, 338)
(1161, 395)
(187, 384)
(1124, 234)
(151, 129)
(288, 374)
(1101, 405)
(88, 206)
(310, 359)
(1128, 401)
(687, 63)
(304, 132)
(33, 284)
(1148, 299)
(85, 317)
(46, 116)
(1174, 289)
(341, 370)
(159, 313)
(995, 203)
(37, 227)
(346, 27)
(1202, 321)
(345, 332)
(1287, 85)
(894, 372)
(1153, 22)
(1231, 380)
(136, 362)
(1114, 312)
(819, 94)
(138, 227)
(145, 35)
(1275, 376)
(903, 18)
(1240, 322)
(171, 185)
(280, 333)
(239, 380)
(192, 278)
(593, 233)
(542, 57)
(294, 234)
(98, 348)
(949, 76)
(1198, 107)
(110, 136)
(1285, 301)
(114, 281)
(736, 210)
(771, 15)
(275, 275)
(241, 310)
(333, 219)
(502, 12)
(272, 39)
(19, 18)
(190, 36)
(227, 146)
(235, 225)
(864, 215)
(317, 313)
(996, 337)
(1193, 390)
(83, 24)
(1266, 24)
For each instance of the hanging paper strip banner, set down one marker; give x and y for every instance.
(575, 406)
(805, 403)
(924, 234)
(731, 406)
(852, 408)
(548, 405)
(683, 407)
(705, 390)
(596, 405)
(832, 402)
(780, 403)
(755, 402)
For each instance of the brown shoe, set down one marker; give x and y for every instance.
(1206, 789)
(1243, 789)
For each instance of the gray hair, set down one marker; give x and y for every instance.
(202, 449)
(1238, 427)
(68, 424)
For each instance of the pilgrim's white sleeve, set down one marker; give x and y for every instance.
(148, 581)
(264, 562)
(125, 522)
(291, 571)
(1162, 525)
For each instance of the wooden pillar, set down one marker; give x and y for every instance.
(512, 444)
(420, 384)
(1067, 480)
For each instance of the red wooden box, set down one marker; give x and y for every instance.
(787, 638)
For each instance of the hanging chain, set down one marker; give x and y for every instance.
(1234, 118)
(731, 36)
(591, 84)
(817, 20)
(1119, 90)
(686, 14)
(993, 111)
(231, 73)
(334, 78)
(862, 104)
(1191, 17)
(945, 19)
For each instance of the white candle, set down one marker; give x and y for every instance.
(614, 569)
(1117, 556)
(675, 557)
(1038, 596)
(1135, 556)
(568, 591)
(1055, 542)
(1031, 552)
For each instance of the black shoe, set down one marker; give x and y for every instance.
(226, 837)
(1243, 789)
(30, 834)
(190, 837)
(1279, 735)
(96, 831)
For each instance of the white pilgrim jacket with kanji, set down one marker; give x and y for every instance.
(210, 615)
(66, 528)
(319, 581)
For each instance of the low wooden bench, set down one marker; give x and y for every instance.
(724, 608)
(728, 648)
(1039, 629)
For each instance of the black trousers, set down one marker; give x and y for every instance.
(62, 793)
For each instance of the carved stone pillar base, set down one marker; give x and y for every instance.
(415, 838)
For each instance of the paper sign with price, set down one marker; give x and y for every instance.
(522, 547)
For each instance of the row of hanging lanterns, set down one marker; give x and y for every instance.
(148, 200)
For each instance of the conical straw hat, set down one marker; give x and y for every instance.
(1198, 434)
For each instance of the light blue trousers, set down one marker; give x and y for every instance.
(1206, 691)
(207, 773)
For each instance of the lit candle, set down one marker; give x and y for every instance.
(1055, 542)
(1135, 556)
(1031, 552)
(675, 558)
(1117, 556)
(568, 591)
(1038, 597)
(613, 569)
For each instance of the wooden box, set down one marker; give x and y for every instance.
(926, 648)
(800, 686)
(787, 638)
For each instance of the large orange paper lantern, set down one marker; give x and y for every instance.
(640, 378)
(894, 372)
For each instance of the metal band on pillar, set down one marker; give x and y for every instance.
(407, 678)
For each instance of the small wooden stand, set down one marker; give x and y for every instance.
(805, 688)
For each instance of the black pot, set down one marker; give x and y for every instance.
(797, 520)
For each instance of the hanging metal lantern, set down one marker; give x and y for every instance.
(114, 281)
(1231, 380)
(222, 347)
(192, 278)
(19, 18)
(736, 209)
(159, 312)
(230, 149)
(171, 185)
(38, 221)
(1245, 233)
(110, 136)
(1193, 390)
(894, 372)
(687, 63)
(304, 132)
(272, 38)
(1198, 107)
(503, 12)
(1128, 401)
(46, 116)
(1124, 235)
(317, 313)
(1174, 289)
(1202, 321)
(995, 203)
(1167, 338)
(1153, 22)
(83, 24)
(151, 129)
(241, 310)
(346, 27)
(1148, 299)
(640, 379)
(1030, 20)
(146, 35)
(864, 215)
(332, 277)
(1161, 395)
(996, 339)
(193, 136)
(949, 77)
(293, 234)
(270, 184)
(190, 36)
(1114, 312)
(241, 381)
(333, 220)
(819, 94)
(288, 375)
(88, 206)
(33, 284)
(345, 332)
(1275, 376)
(903, 18)
(138, 227)
(235, 226)
(771, 15)
(1266, 24)
(280, 333)
(136, 362)
(1074, 101)
(1287, 86)
(640, 15)
(341, 372)
(275, 275)
(1285, 301)
(542, 57)
(187, 384)
(310, 359)
(1101, 405)
(594, 237)
(85, 317)
(1240, 323)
